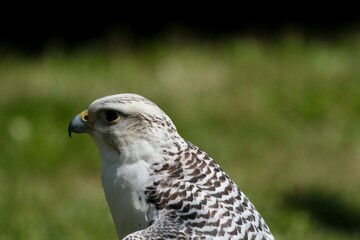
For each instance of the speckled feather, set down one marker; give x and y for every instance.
(188, 194)
(198, 200)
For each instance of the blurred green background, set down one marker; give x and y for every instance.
(281, 116)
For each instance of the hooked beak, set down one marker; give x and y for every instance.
(79, 124)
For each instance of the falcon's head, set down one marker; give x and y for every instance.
(125, 124)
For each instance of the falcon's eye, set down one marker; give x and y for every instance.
(112, 116)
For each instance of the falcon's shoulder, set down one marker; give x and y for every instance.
(200, 199)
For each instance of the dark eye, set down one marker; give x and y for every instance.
(111, 116)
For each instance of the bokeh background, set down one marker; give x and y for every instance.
(276, 103)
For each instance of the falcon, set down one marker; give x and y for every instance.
(157, 184)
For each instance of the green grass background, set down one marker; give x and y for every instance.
(281, 116)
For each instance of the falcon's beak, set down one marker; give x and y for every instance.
(79, 124)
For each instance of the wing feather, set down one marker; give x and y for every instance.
(198, 200)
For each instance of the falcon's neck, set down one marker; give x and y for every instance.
(125, 173)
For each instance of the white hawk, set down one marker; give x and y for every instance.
(158, 185)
